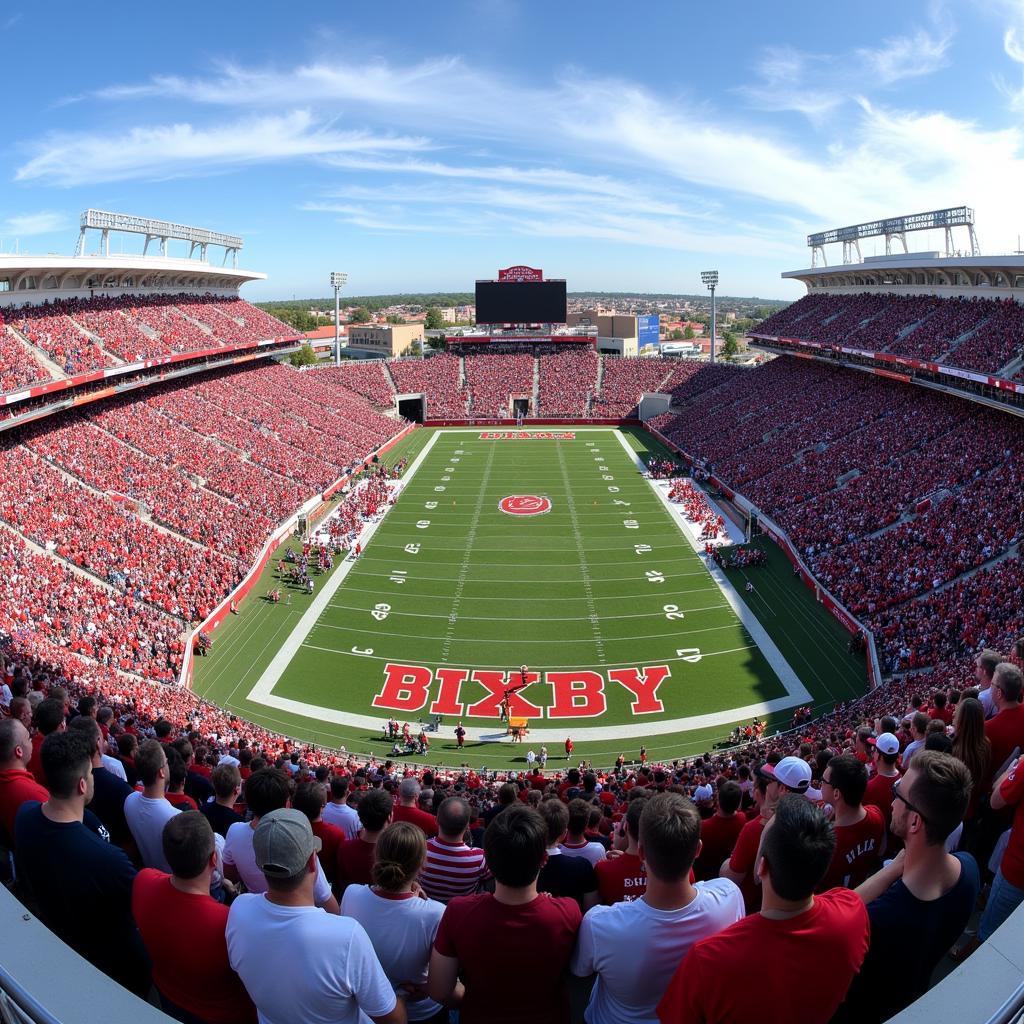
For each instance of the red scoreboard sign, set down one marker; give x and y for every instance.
(520, 274)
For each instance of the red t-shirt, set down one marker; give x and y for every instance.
(857, 851)
(621, 879)
(806, 965)
(744, 856)
(16, 786)
(331, 837)
(1012, 791)
(719, 837)
(879, 794)
(541, 933)
(355, 862)
(425, 821)
(1005, 732)
(35, 763)
(184, 935)
(182, 801)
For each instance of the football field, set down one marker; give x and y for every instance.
(548, 550)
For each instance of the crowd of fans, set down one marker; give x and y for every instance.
(697, 508)
(853, 848)
(492, 379)
(88, 334)
(439, 378)
(18, 367)
(887, 493)
(568, 381)
(974, 333)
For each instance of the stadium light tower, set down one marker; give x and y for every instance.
(710, 278)
(338, 280)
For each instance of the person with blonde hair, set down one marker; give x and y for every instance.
(401, 924)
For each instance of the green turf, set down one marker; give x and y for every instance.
(565, 590)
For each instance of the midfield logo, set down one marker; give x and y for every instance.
(525, 505)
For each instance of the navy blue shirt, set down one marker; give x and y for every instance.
(908, 938)
(81, 885)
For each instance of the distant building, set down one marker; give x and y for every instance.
(386, 340)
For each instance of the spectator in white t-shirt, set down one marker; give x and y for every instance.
(147, 812)
(984, 669)
(266, 790)
(337, 811)
(400, 924)
(576, 843)
(658, 929)
(918, 727)
(334, 977)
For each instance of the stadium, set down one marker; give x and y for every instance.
(518, 557)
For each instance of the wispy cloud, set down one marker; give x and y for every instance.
(41, 223)
(815, 84)
(162, 151)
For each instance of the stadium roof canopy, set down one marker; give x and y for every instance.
(35, 279)
(920, 273)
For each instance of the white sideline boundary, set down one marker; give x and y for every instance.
(262, 692)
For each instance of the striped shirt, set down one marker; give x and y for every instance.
(451, 869)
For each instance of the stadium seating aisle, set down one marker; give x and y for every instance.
(18, 368)
(567, 382)
(491, 379)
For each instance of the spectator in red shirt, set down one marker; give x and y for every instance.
(718, 834)
(624, 878)
(809, 947)
(182, 927)
(176, 772)
(534, 928)
(859, 830)
(886, 751)
(1006, 730)
(49, 718)
(16, 782)
(310, 798)
(940, 708)
(355, 856)
(406, 809)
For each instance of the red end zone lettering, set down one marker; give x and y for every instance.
(405, 688)
(497, 683)
(523, 435)
(643, 684)
(576, 695)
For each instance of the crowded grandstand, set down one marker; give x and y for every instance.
(181, 848)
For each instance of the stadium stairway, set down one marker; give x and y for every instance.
(388, 377)
(36, 353)
(536, 386)
(462, 373)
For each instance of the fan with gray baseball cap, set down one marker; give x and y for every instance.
(283, 843)
(331, 971)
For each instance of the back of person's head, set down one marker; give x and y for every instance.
(309, 797)
(409, 790)
(184, 749)
(594, 818)
(176, 770)
(374, 809)
(887, 723)
(162, 728)
(556, 819)
(987, 662)
(149, 760)
(938, 741)
(67, 759)
(579, 815)
(453, 816)
(1009, 680)
(797, 847)
(635, 807)
(669, 835)
(127, 745)
(940, 791)
(339, 787)
(426, 799)
(401, 850)
(573, 776)
(49, 715)
(589, 782)
(729, 797)
(515, 845)
(935, 725)
(188, 844)
(88, 727)
(86, 705)
(939, 700)
(225, 779)
(849, 777)
(507, 794)
(267, 790)
(920, 723)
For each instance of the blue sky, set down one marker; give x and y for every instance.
(420, 146)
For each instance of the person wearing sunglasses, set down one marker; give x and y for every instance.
(919, 903)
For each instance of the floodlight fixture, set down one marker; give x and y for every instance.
(710, 278)
(338, 279)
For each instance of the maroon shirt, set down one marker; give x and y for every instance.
(414, 815)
